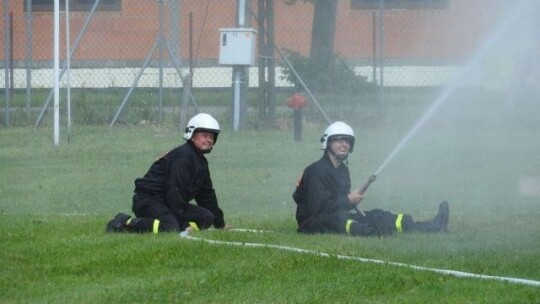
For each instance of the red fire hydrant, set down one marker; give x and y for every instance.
(297, 102)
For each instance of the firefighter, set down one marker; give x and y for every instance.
(325, 201)
(161, 202)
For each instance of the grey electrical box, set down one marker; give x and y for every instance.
(237, 46)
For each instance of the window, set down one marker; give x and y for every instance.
(76, 5)
(399, 4)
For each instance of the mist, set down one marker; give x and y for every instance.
(472, 143)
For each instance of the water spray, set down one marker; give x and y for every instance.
(472, 64)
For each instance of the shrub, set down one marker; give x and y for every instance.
(336, 77)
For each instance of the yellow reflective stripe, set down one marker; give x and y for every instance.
(155, 229)
(194, 226)
(348, 226)
(399, 219)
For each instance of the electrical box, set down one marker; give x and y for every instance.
(237, 46)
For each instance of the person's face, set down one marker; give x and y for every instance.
(340, 148)
(204, 141)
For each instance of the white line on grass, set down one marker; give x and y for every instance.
(455, 273)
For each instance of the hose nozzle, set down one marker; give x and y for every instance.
(367, 183)
(363, 189)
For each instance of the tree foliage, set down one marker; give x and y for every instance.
(334, 76)
(323, 71)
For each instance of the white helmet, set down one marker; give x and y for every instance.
(337, 129)
(201, 122)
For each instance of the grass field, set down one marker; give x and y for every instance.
(474, 152)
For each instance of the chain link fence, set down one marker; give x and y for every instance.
(136, 53)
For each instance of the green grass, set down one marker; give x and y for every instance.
(55, 202)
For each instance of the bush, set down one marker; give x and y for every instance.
(336, 77)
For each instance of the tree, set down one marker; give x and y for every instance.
(323, 71)
(323, 30)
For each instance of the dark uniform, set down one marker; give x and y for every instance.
(321, 198)
(165, 191)
(323, 206)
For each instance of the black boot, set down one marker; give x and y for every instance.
(441, 219)
(438, 224)
(118, 223)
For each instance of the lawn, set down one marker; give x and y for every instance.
(474, 152)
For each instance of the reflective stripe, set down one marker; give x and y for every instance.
(155, 229)
(348, 226)
(399, 219)
(194, 226)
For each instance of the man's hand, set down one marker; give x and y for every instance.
(355, 197)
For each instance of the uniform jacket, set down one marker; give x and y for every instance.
(322, 190)
(178, 177)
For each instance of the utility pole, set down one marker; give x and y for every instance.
(267, 86)
(237, 49)
(240, 74)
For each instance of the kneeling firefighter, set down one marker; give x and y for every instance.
(161, 200)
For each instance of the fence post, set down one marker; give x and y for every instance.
(186, 93)
(6, 61)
